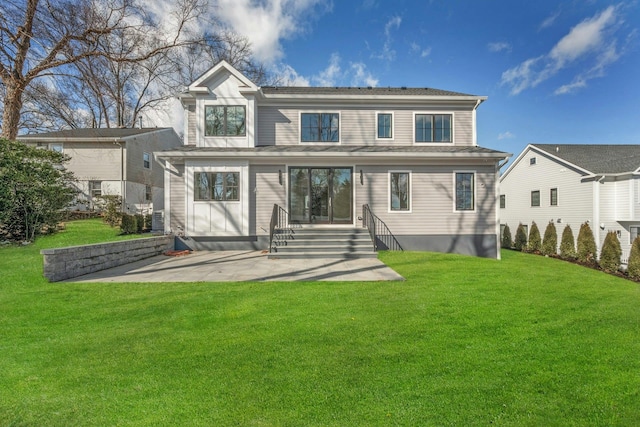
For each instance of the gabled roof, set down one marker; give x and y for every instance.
(100, 134)
(590, 159)
(199, 84)
(300, 90)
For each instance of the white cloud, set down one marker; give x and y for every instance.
(388, 53)
(267, 23)
(418, 50)
(361, 76)
(549, 21)
(499, 47)
(287, 76)
(592, 41)
(355, 74)
(506, 135)
(330, 75)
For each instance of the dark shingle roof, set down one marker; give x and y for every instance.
(409, 91)
(598, 159)
(90, 133)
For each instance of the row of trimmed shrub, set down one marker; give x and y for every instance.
(135, 224)
(586, 251)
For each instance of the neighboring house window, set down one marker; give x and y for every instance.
(219, 186)
(385, 125)
(56, 146)
(319, 127)
(147, 193)
(146, 160)
(433, 127)
(503, 201)
(399, 191)
(633, 233)
(464, 191)
(535, 198)
(221, 120)
(532, 161)
(553, 197)
(95, 189)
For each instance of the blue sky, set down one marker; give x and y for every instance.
(554, 72)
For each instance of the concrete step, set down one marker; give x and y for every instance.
(344, 243)
(315, 254)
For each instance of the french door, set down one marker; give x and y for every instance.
(320, 195)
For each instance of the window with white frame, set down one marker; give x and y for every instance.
(503, 201)
(465, 189)
(216, 186)
(399, 191)
(433, 127)
(553, 197)
(535, 198)
(95, 189)
(146, 160)
(385, 125)
(148, 193)
(224, 120)
(57, 147)
(320, 127)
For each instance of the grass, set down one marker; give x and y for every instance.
(463, 341)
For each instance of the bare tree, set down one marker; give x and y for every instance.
(51, 38)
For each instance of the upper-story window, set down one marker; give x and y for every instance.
(56, 146)
(433, 127)
(385, 125)
(146, 160)
(224, 120)
(320, 127)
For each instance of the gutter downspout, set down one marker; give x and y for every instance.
(596, 210)
(123, 184)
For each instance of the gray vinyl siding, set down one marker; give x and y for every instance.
(268, 191)
(575, 198)
(191, 124)
(148, 143)
(99, 161)
(357, 125)
(177, 194)
(432, 200)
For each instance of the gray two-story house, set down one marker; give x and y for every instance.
(324, 156)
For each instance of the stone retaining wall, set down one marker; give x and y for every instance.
(73, 261)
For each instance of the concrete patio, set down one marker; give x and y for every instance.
(241, 266)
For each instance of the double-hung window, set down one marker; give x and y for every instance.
(465, 191)
(146, 160)
(385, 126)
(224, 120)
(535, 198)
(95, 189)
(218, 186)
(399, 191)
(553, 197)
(320, 127)
(433, 127)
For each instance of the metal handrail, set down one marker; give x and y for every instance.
(279, 220)
(378, 231)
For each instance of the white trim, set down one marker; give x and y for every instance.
(393, 124)
(409, 172)
(198, 84)
(455, 195)
(435, 113)
(338, 112)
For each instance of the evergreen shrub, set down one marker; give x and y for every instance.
(586, 248)
(507, 242)
(520, 242)
(567, 244)
(550, 240)
(633, 268)
(611, 253)
(535, 244)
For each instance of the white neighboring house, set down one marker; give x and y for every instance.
(113, 162)
(570, 184)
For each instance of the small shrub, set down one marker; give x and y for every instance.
(567, 244)
(520, 242)
(110, 206)
(129, 224)
(535, 244)
(148, 222)
(586, 249)
(633, 268)
(139, 223)
(550, 240)
(507, 242)
(611, 253)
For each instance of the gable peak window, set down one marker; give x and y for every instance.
(532, 161)
(433, 127)
(224, 120)
(385, 125)
(319, 127)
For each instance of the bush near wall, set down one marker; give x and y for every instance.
(587, 251)
(129, 224)
(633, 268)
(611, 253)
(520, 242)
(507, 242)
(567, 244)
(535, 244)
(550, 240)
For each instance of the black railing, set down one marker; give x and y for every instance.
(379, 232)
(278, 227)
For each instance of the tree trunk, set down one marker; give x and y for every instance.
(11, 112)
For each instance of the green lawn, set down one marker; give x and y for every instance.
(463, 341)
